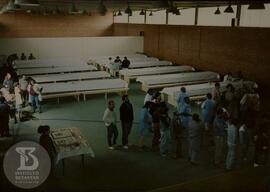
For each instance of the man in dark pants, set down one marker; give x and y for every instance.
(4, 117)
(109, 119)
(126, 117)
(176, 134)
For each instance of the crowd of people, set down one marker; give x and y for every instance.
(15, 95)
(228, 121)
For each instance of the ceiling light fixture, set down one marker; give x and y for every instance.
(229, 9)
(128, 11)
(142, 12)
(217, 12)
(119, 13)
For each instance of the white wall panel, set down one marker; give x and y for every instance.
(81, 48)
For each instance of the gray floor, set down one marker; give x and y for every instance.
(118, 170)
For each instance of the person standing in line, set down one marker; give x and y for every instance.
(4, 117)
(176, 134)
(208, 114)
(145, 122)
(208, 111)
(216, 94)
(164, 130)
(148, 96)
(185, 113)
(126, 117)
(181, 98)
(156, 121)
(219, 126)
(109, 119)
(231, 142)
(243, 141)
(194, 138)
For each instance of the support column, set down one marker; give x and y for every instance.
(238, 14)
(167, 17)
(196, 15)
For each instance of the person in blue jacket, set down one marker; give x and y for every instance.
(185, 112)
(181, 98)
(219, 131)
(145, 122)
(208, 111)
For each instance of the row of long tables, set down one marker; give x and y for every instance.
(199, 91)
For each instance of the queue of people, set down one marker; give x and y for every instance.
(223, 123)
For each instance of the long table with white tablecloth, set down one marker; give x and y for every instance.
(161, 81)
(199, 91)
(105, 64)
(62, 69)
(121, 56)
(128, 74)
(50, 62)
(77, 88)
(142, 64)
(71, 76)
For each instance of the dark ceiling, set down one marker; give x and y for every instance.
(115, 5)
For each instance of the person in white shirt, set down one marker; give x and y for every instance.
(18, 98)
(148, 96)
(109, 119)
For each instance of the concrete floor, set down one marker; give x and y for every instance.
(118, 170)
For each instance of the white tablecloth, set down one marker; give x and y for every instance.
(104, 57)
(105, 62)
(155, 70)
(70, 76)
(178, 78)
(203, 89)
(63, 69)
(142, 64)
(80, 86)
(49, 62)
